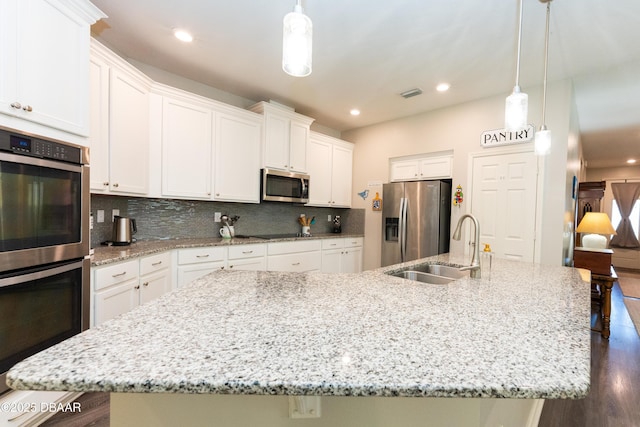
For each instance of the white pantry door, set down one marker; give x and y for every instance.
(504, 201)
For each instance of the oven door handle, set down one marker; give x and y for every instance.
(40, 274)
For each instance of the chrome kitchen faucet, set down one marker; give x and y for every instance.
(475, 259)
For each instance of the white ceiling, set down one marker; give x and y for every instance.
(365, 52)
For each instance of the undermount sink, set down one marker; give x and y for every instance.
(436, 274)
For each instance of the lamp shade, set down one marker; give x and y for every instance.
(516, 109)
(596, 223)
(296, 43)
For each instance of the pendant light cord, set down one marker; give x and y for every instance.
(546, 64)
(519, 44)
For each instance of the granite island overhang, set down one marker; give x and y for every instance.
(522, 333)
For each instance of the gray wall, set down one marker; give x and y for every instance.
(168, 218)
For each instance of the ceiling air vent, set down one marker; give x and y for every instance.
(411, 92)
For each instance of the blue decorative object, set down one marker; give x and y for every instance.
(364, 194)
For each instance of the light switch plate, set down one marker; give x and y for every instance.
(115, 212)
(100, 215)
(217, 216)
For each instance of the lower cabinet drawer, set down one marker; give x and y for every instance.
(247, 251)
(301, 262)
(152, 263)
(116, 273)
(353, 242)
(200, 255)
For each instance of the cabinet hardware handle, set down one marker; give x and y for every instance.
(119, 274)
(286, 166)
(247, 252)
(115, 185)
(27, 108)
(202, 256)
(105, 183)
(137, 287)
(16, 105)
(156, 263)
(217, 194)
(208, 193)
(231, 266)
(145, 284)
(295, 263)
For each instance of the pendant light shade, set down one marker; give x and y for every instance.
(516, 110)
(296, 43)
(543, 141)
(543, 136)
(517, 104)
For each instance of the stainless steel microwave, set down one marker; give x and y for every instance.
(283, 186)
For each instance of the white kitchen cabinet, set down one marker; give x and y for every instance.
(119, 138)
(197, 262)
(237, 156)
(285, 138)
(118, 288)
(44, 74)
(252, 257)
(186, 149)
(330, 166)
(155, 276)
(115, 290)
(294, 256)
(342, 255)
(420, 168)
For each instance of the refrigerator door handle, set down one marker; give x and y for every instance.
(403, 229)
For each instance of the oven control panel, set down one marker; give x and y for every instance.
(37, 147)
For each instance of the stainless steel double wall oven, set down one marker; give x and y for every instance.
(44, 245)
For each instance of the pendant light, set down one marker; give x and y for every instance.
(543, 136)
(517, 104)
(296, 43)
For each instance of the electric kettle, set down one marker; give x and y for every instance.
(123, 230)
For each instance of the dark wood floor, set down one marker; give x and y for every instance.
(614, 398)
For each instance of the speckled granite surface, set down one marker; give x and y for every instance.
(523, 333)
(110, 254)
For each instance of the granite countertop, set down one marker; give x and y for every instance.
(522, 333)
(110, 254)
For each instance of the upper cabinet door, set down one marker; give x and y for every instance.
(237, 157)
(186, 149)
(44, 73)
(320, 160)
(299, 136)
(128, 134)
(341, 177)
(276, 152)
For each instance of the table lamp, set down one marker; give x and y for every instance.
(597, 225)
(594, 255)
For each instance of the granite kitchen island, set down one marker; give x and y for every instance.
(232, 347)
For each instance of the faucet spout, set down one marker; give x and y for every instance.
(475, 259)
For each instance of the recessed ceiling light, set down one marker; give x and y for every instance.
(631, 161)
(443, 87)
(182, 35)
(355, 112)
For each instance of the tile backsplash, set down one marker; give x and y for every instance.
(170, 218)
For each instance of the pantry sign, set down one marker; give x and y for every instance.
(494, 138)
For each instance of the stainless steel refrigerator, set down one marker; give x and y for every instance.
(416, 218)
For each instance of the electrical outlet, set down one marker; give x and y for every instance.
(304, 407)
(100, 215)
(217, 216)
(114, 213)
